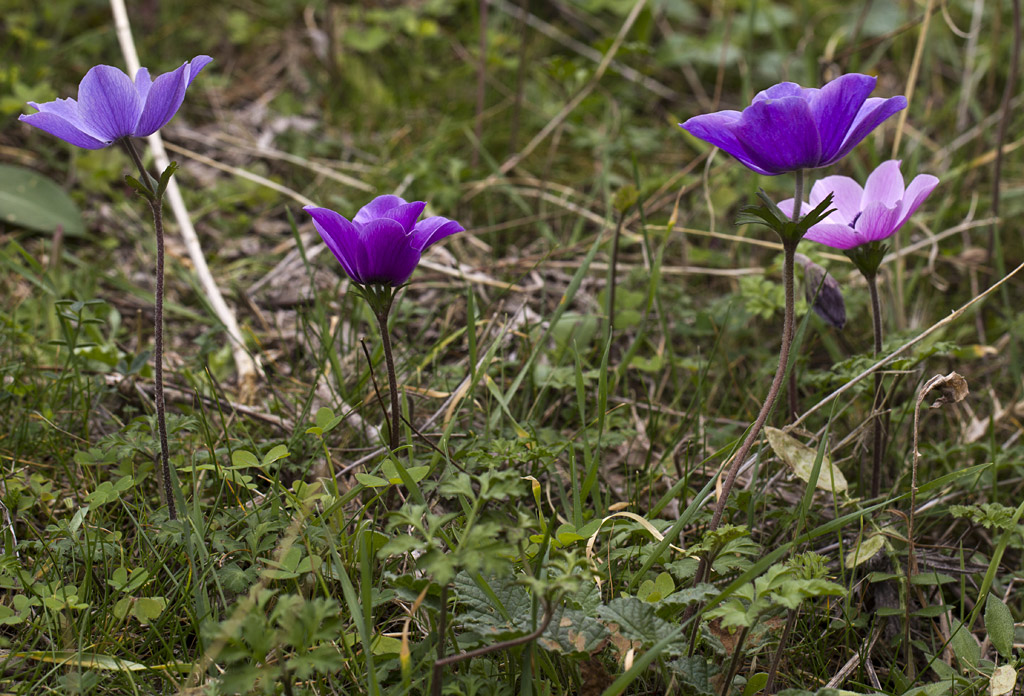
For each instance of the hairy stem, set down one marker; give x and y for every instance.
(385, 337)
(156, 205)
(789, 253)
(737, 660)
(879, 424)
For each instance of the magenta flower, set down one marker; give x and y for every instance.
(868, 214)
(788, 127)
(110, 106)
(383, 242)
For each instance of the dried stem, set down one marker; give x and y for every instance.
(777, 658)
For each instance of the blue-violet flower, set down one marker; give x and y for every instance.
(788, 127)
(383, 242)
(110, 106)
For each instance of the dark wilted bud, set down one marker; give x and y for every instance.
(823, 293)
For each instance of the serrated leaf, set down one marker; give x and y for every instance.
(800, 458)
(695, 672)
(636, 619)
(36, 202)
(1003, 679)
(572, 631)
(999, 624)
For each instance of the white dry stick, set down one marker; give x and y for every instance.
(249, 370)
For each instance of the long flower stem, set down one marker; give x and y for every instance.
(788, 323)
(385, 338)
(769, 686)
(879, 425)
(156, 205)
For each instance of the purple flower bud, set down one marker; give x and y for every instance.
(383, 242)
(788, 127)
(823, 293)
(110, 106)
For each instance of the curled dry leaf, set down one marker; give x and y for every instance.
(952, 389)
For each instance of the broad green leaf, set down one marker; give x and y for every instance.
(244, 458)
(999, 624)
(964, 645)
(30, 200)
(148, 608)
(755, 684)
(371, 481)
(278, 452)
(800, 458)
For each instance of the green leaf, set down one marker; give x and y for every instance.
(636, 619)
(695, 672)
(244, 458)
(371, 481)
(999, 624)
(964, 645)
(278, 452)
(148, 608)
(30, 200)
(755, 684)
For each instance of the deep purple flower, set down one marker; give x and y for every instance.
(868, 214)
(383, 242)
(788, 127)
(110, 106)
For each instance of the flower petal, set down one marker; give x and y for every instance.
(719, 130)
(390, 258)
(61, 118)
(342, 238)
(376, 208)
(846, 196)
(786, 207)
(919, 189)
(783, 89)
(878, 221)
(108, 102)
(885, 184)
(405, 214)
(835, 106)
(869, 117)
(432, 230)
(143, 82)
(164, 97)
(779, 135)
(835, 236)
